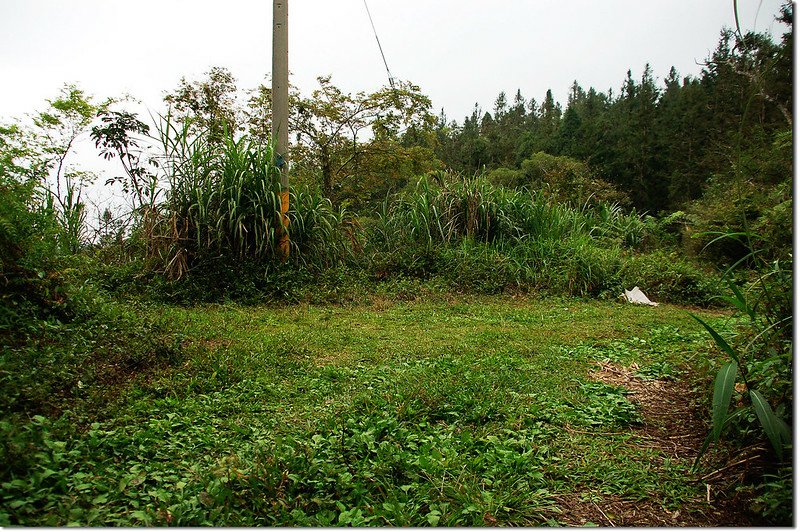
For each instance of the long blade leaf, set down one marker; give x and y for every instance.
(775, 429)
(740, 301)
(723, 392)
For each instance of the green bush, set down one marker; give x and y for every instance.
(565, 180)
(722, 211)
(748, 208)
(669, 278)
(477, 267)
(576, 266)
(759, 357)
(488, 239)
(610, 222)
(776, 498)
(474, 209)
(507, 177)
(775, 226)
(30, 258)
(592, 270)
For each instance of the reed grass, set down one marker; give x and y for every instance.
(223, 201)
(473, 208)
(491, 239)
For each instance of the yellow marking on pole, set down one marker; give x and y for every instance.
(283, 239)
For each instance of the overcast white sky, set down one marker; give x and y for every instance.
(459, 51)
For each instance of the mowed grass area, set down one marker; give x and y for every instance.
(456, 411)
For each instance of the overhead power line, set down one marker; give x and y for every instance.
(388, 73)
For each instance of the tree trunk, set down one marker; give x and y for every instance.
(327, 173)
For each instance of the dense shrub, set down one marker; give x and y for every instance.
(560, 179)
(30, 255)
(670, 278)
(62, 341)
(747, 208)
(489, 239)
(721, 212)
(219, 280)
(591, 269)
(478, 268)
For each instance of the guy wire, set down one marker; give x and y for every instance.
(391, 79)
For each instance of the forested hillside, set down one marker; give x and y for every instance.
(662, 144)
(694, 143)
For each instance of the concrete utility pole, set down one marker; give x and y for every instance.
(280, 112)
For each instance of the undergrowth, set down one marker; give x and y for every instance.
(487, 239)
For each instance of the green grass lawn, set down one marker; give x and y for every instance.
(458, 411)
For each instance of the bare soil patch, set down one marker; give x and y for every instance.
(671, 422)
(673, 426)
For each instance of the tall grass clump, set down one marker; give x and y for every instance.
(474, 209)
(479, 236)
(487, 238)
(223, 204)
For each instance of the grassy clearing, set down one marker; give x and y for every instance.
(467, 411)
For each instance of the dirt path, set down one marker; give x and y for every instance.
(672, 426)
